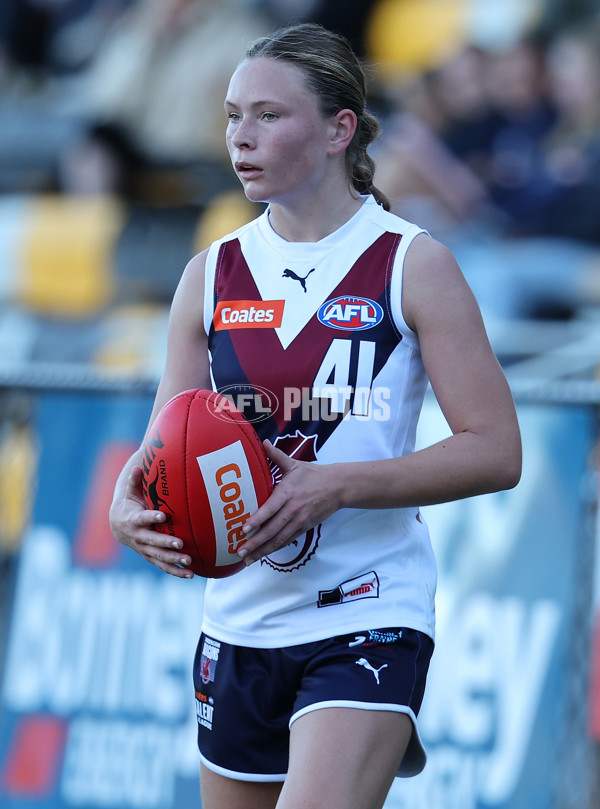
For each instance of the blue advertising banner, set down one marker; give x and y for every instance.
(97, 702)
(97, 695)
(495, 716)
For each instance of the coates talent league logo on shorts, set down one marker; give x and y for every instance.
(350, 313)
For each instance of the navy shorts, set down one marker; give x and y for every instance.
(247, 699)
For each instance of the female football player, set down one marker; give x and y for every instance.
(311, 667)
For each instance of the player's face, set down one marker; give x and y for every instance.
(276, 134)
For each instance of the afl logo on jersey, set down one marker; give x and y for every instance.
(350, 313)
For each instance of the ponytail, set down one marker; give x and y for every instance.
(359, 163)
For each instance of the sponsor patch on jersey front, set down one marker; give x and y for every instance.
(350, 313)
(365, 586)
(248, 315)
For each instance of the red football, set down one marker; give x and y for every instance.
(205, 467)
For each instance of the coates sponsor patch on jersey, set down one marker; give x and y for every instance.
(248, 315)
(350, 313)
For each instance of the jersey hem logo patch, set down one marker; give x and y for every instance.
(365, 586)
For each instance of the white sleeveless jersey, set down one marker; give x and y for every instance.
(309, 341)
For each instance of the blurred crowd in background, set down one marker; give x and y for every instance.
(490, 116)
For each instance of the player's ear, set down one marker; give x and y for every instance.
(342, 129)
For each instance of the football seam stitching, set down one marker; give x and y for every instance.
(186, 486)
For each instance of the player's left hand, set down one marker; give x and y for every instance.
(306, 495)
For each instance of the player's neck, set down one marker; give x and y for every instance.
(315, 221)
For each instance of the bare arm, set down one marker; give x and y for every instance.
(483, 452)
(186, 367)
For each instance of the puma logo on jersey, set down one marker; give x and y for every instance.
(299, 278)
(364, 662)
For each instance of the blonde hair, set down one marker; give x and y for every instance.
(335, 74)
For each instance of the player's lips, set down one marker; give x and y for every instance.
(247, 170)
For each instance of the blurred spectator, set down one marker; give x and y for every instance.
(153, 95)
(24, 36)
(83, 26)
(34, 43)
(545, 261)
(349, 18)
(470, 120)
(563, 195)
(524, 122)
(436, 139)
(516, 86)
(498, 154)
(558, 15)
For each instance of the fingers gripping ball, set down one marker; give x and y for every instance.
(205, 468)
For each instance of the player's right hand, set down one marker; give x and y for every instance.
(134, 526)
